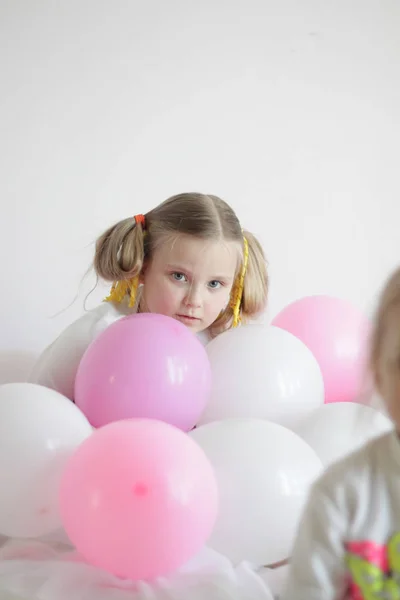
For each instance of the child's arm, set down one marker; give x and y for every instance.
(57, 366)
(317, 570)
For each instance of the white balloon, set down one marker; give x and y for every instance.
(337, 429)
(264, 472)
(39, 430)
(262, 372)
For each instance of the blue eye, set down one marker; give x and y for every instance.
(179, 276)
(214, 285)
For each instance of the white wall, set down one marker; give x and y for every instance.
(288, 109)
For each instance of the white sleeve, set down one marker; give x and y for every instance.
(317, 568)
(56, 368)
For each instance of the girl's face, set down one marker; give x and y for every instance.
(190, 280)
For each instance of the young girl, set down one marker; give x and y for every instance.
(348, 544)
(188, 259)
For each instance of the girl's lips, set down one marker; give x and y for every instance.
(188, 318)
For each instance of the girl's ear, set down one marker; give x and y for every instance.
(143, 272)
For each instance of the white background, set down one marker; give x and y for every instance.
(288, 109)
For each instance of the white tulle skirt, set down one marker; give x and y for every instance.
(50, 569)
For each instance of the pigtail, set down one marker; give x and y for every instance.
(119, 258)
(256, 284)
(249, 292)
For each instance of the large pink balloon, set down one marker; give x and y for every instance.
(144, 365)
(138, 498)
(336, 333)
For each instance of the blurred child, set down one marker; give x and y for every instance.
(348, 544)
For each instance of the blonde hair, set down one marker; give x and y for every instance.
(124, 248)
(385, 341)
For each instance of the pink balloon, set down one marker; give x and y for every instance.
(138, 498)
(336, 332)
(145, 365)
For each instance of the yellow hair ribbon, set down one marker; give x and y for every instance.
(237, 290)
(120, 289)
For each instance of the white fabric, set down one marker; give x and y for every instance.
(353, 511)
(57, 366)
(38, 570)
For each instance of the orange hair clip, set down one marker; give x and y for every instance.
(140, 219)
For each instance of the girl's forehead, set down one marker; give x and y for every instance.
(193, 252)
